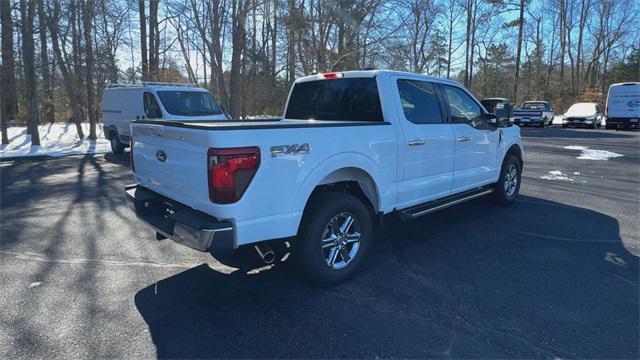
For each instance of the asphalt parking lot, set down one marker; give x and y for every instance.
(555, 275)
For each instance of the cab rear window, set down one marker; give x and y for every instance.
(345, 99)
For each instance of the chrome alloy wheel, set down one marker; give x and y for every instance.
(341, 240)
(511, 180)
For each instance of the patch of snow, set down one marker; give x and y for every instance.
(35, 284)
(58, 139)
(575, 147)
(557, 175)
(557, 120)
(576, 173)
(592, 154)
(589, 154)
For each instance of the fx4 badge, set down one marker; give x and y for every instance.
(294, 149)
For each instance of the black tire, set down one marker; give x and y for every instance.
(117, 147)
(319, 222)
(607, 127)
(502, 194)
(565, 126)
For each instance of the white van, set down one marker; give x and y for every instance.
(623, 105)
(122, 104)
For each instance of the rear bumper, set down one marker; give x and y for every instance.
(179, 222)
(623, 122)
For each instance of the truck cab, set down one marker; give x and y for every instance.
(122, 104)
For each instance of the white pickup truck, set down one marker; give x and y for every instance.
(351, 147)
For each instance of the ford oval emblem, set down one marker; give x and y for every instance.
(161, 156)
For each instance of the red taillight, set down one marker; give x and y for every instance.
(332, 75)
(230, 172)
(133, 168)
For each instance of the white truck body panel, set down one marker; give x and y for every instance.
(393, 174)
(623, 100)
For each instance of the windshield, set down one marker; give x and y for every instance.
(581, 109)
(189, 103)
(533, 105)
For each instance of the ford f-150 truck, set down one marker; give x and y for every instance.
(538, 113)
(351, 147)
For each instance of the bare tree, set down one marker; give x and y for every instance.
(27, 15)
(8, 103)
(516, 77)
(45, 72)
(87, 20)
(143, 39)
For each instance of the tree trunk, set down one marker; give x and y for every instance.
(154, 39)
(291, 41)
(143, 40)
(27, 14)
(518, 53)
(468, 42)
(47, 99)
(8, 105)
(239, 15)
(87, 22)
(62, 62)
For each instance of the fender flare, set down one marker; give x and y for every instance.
(333, 164)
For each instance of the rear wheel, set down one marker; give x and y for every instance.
(116, 146)
(508, 186)
(334, 236)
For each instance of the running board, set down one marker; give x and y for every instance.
(436, 205)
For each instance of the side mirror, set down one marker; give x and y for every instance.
(495, 121)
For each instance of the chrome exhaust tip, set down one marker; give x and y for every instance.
(266, 253)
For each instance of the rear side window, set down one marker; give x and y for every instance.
(419, 102)
(151, 107)
(350, 99)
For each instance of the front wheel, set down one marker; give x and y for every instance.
(508, 186)
(334, 236)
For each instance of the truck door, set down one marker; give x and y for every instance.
(428, 142)
(476, 143)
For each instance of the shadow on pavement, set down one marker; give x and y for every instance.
(537, 279)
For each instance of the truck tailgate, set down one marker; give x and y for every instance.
(172, 161)
(527, 113)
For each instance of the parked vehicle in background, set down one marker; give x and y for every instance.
(352, 146)
(534, 113)
(501, 107)
(122, 104)
(623, 106)
(583, 115)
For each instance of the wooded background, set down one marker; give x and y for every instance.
(59, 55)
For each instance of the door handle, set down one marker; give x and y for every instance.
(416, 142)
(463, 139)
